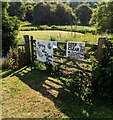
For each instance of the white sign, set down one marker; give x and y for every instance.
(54, 44)
(75, 50)
(44, 51)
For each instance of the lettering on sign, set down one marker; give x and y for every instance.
(44, 51)
(75, 50)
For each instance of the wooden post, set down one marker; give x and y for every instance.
(19, 54)
(27, 49)
(32, 49)
(100, 49)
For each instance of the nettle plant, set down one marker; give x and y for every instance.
(103, 74)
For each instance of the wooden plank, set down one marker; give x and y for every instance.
(72, 66)
(34, 41)
(74, 62)
(68, 70)
(60, 50)
(86, 44)
(59, 43)
(27, 49)
(91, 45)
(20, 45)
(32, 49)
(82, 61)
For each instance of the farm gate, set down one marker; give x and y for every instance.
(59, 54)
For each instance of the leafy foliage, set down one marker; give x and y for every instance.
(83, 13)
(57, 13)
(103, 75)
(81, 84)
(13, 60)
(103, 17)
(10, 27)
(29, 11)
(17, 9)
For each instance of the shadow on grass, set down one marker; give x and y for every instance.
(65, 101)
(68, 103)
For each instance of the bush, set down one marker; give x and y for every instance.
(13, 60)
(103, 75)
(81, 84)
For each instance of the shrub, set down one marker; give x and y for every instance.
(81, 84)
(14, 60)
(103, 75)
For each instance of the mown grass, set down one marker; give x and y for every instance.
(32, 93)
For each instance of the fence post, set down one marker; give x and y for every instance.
(100, 50)
(27, 49)
(32, 49)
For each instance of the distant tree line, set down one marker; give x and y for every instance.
(65, 13)
(56, 13)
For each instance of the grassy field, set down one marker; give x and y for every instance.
(59, 33)
(32, 93)
(58, 36)
(26, 26)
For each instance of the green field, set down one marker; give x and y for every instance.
(59, 36)
(26, 26)
(60, 33)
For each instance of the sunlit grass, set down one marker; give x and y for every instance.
(58, 36)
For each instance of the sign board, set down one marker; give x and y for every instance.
(75, 50)
(44, 51)
(54, 44)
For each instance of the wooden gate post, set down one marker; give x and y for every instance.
(100, 50)
(27, 49)
(32, 49)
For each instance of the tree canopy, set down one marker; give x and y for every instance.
(57, 13)
(83, 12)
(103, 17)
(17, 9)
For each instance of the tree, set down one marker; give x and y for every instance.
(29, 11)
(53, 13)
(64, 14)
(10, 27)
(83, 13)
(17, 9)
(42, 13)
(103, 17)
